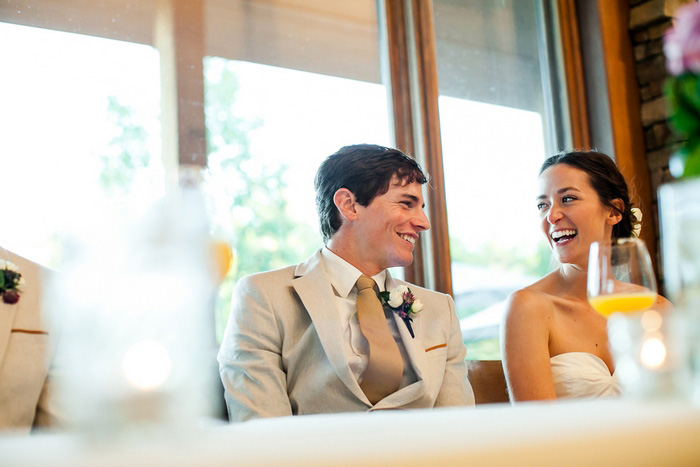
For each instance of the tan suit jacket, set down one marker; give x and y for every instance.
(282, 352)
(24, 351)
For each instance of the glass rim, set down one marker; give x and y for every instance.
(620, 241)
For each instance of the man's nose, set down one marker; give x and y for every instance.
(422, 221)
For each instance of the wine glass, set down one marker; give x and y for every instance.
(622, 287)
(218, 206)
(620, 277)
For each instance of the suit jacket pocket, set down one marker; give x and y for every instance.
(438, 350)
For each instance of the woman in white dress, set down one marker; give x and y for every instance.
(554, 344)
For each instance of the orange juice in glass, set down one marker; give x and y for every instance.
(222, 256)
(623, 302)
(620, 277)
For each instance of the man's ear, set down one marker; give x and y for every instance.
(615, 215)
(346, 203)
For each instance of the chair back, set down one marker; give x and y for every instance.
(488, 381)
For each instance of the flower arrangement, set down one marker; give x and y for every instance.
(682, 50)
(402, 301)
(10, 282)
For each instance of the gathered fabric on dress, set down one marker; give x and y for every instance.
(582, 374)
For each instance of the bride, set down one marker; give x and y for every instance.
(554, 344)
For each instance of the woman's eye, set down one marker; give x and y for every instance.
(566, 199)
(540, 206)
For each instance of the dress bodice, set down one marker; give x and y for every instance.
(581, 374)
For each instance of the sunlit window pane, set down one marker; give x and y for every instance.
(79, 124)
(276, 108)
(492, 123)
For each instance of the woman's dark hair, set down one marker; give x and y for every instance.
(364, 169)
(606, 180)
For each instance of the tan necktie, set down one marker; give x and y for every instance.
(385, 365)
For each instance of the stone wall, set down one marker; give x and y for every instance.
(649, 20)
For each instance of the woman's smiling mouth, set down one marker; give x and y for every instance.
(563, 236)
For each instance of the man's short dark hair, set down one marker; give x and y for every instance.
(364, 169)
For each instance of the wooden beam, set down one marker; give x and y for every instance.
(625, 108)
(400, 101)
(414, 99)
(573, 73)
(426, 57)
(179, 37)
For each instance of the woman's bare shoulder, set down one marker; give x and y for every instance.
(530, 302)
(662, 304)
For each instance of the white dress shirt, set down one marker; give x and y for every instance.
(343, 277)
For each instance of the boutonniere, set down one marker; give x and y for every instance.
(10, 282)
(402, 301)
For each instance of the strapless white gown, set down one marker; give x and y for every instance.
(581, 374)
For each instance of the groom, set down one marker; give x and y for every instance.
(316, 338)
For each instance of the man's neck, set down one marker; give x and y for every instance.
(346, 251)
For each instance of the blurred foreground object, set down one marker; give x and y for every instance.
(682, 50)
(135, 308)
(679, 215)
(649, 359)
(25, 348)
(679, 202)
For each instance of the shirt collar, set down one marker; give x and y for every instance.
(344, 275)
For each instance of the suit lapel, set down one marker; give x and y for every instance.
(414, 346)
(316, 294)
(416, 355)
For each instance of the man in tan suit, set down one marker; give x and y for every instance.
(298, 341)
(24, 353)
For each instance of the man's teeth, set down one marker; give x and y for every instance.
(408, 238)
(562, 233)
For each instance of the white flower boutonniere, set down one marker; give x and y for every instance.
(636, 226)
(10, 282)
(402, 301)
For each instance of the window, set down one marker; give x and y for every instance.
(80, 129)
(279, 100)
(493, 123)
(108, 100)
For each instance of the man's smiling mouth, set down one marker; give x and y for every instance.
(408, 238)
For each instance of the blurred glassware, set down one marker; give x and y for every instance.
(679, 216)
(218, 199)
(622, 287)
(620, 277)
(223, 258)
(134, 305)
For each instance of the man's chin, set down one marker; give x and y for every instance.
(402, 262)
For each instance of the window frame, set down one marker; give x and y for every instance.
(407, 40)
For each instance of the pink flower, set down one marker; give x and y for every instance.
(682, 42)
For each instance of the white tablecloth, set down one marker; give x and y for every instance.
(590, 433)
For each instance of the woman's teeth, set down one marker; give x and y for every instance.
(560, 235)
